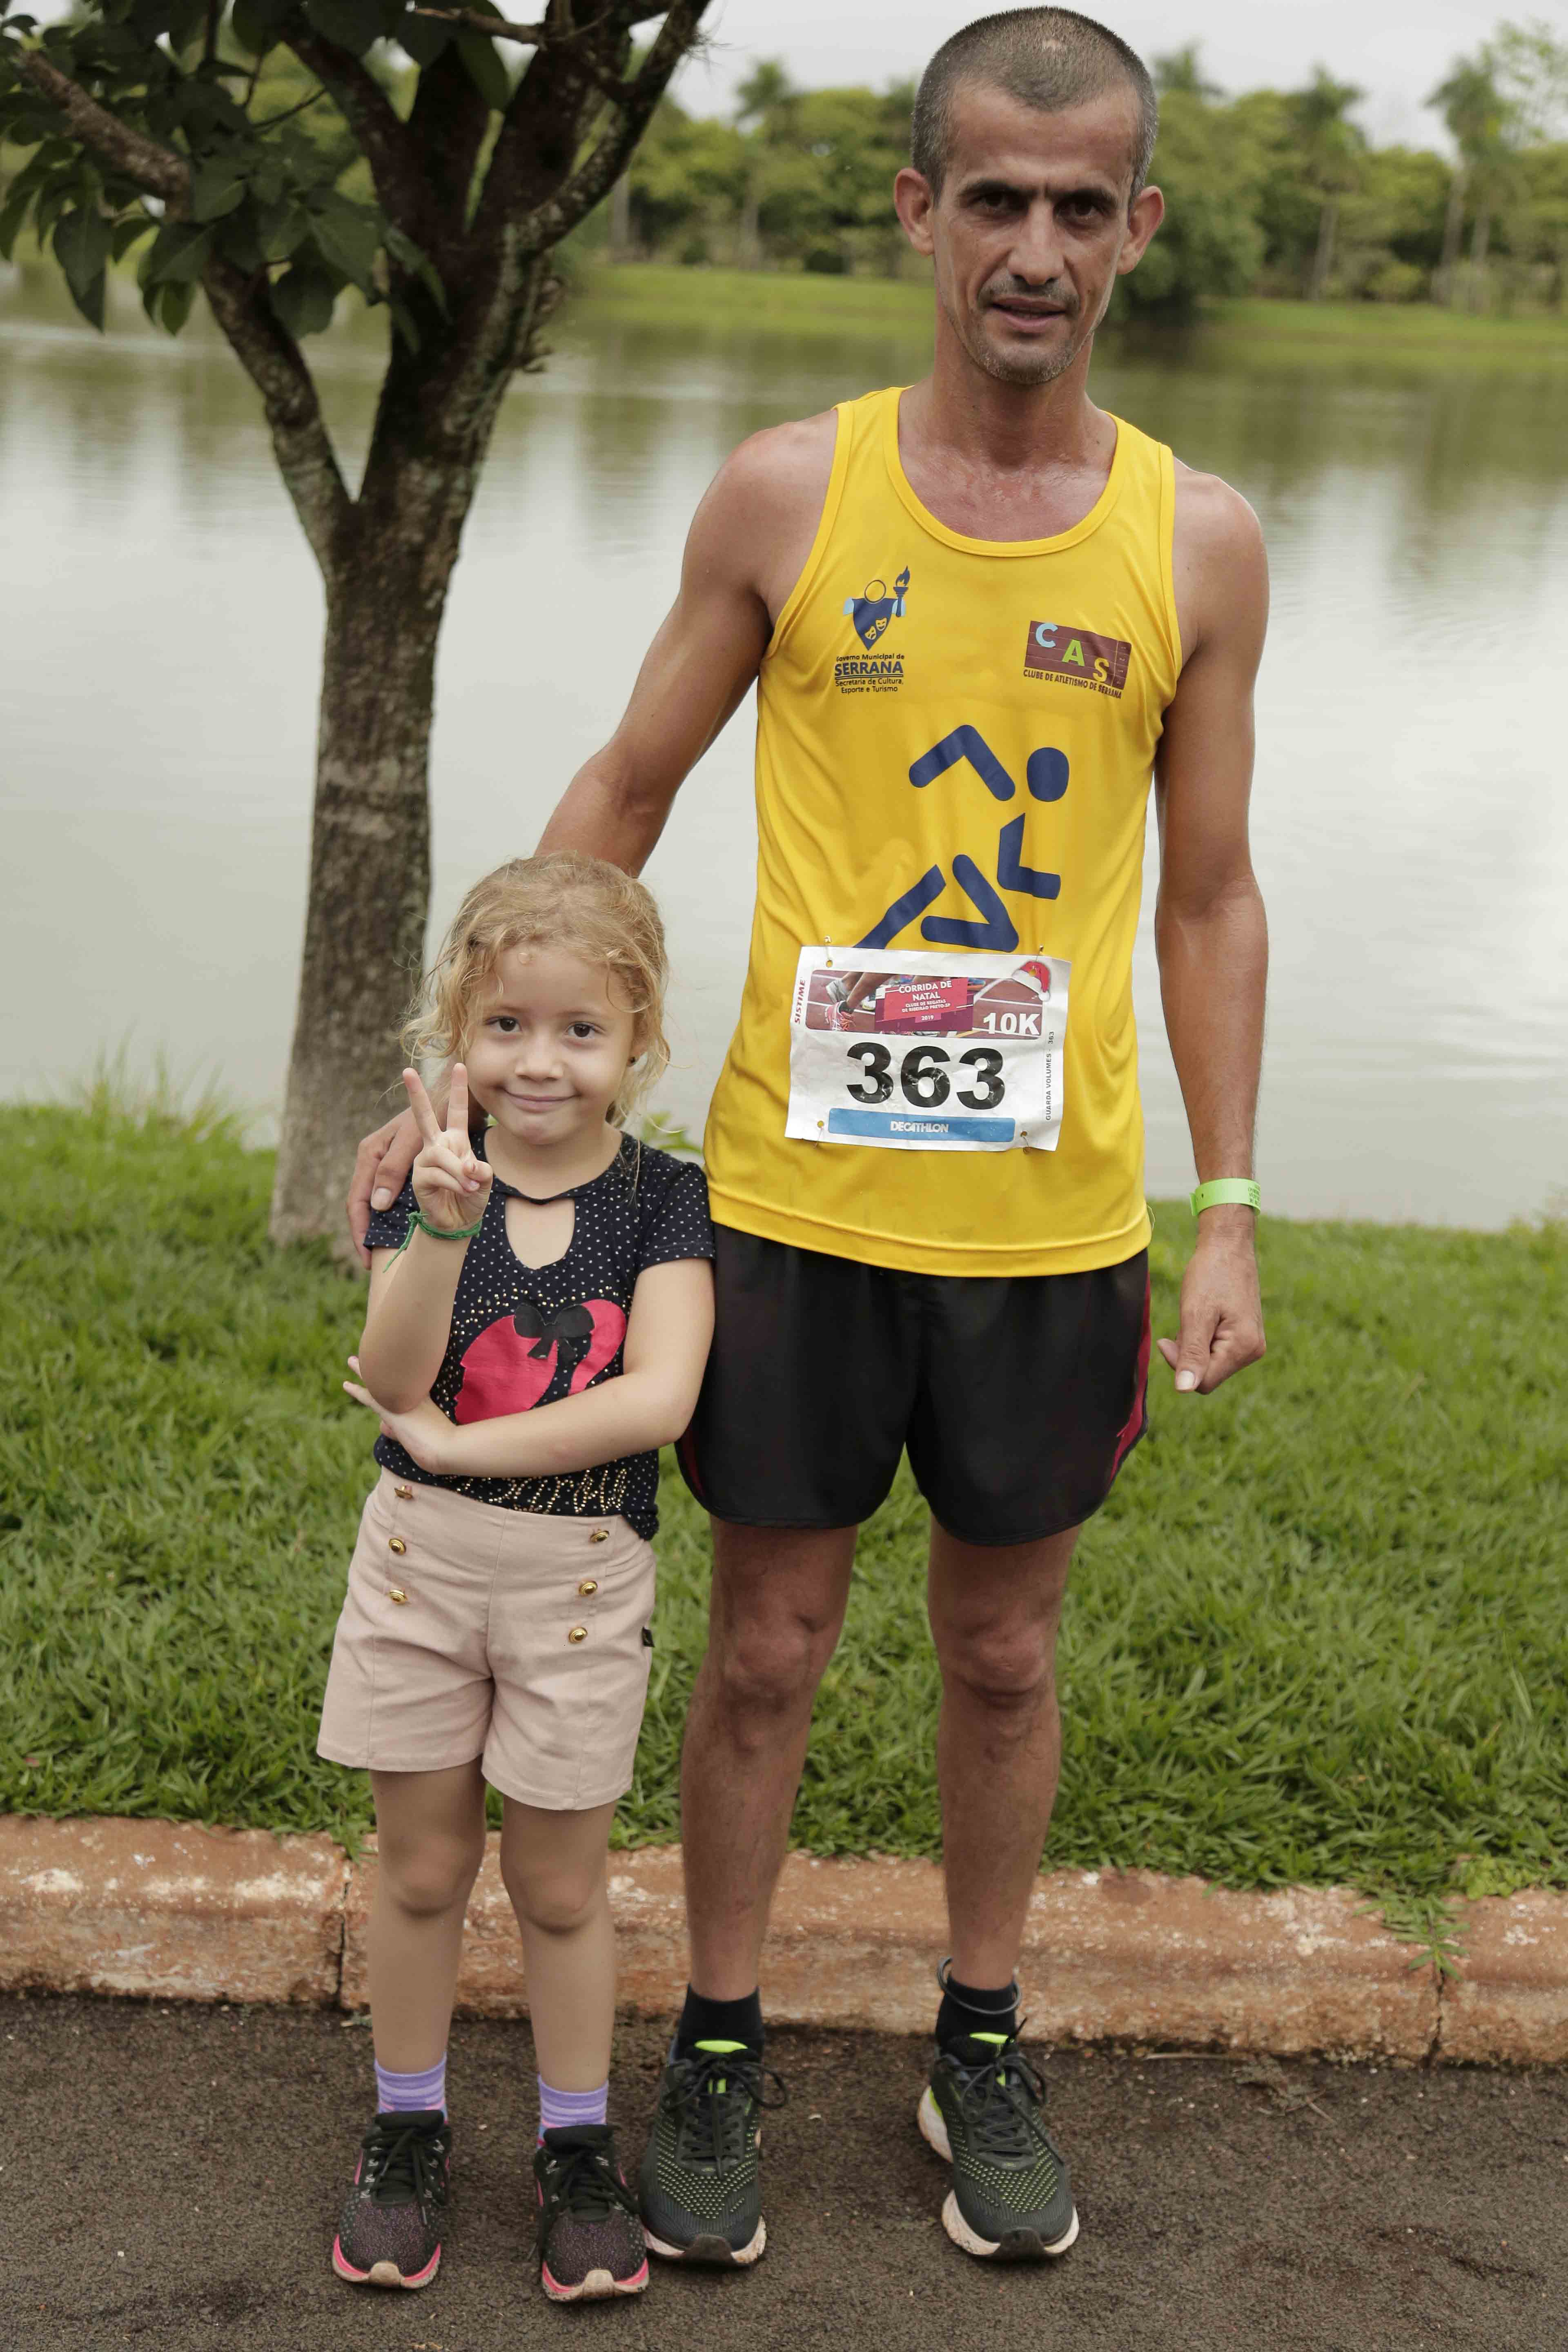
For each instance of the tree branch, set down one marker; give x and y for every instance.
(271, 121)
(153, 166)
(596, 175)
(272, 360)
(447, 124)
(533, 36)
(394, 160)
(473, 20)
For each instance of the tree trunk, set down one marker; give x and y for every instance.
(369, 843)
(370, 881)
(1323, 259)
(1453, 229)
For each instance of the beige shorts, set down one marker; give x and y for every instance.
(514, 1636)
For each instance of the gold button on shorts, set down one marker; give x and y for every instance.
(497, 1647)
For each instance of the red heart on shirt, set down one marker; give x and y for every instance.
(511, 1363)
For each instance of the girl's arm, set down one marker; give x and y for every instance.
(412, 1291)
(646, 1405)
(409, 1318)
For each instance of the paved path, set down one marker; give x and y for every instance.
(171, 2177)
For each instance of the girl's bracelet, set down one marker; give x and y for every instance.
(420, 1223)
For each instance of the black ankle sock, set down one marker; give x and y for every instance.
(968, 2009)
(702, 2020)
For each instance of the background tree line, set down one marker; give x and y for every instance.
(1273, 192)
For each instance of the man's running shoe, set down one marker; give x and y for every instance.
(700, 2181)
(983, 2110)
(589, 2239)
(390, 2231)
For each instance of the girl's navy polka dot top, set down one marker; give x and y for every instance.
(525, 1335)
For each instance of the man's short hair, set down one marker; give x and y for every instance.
(1049, 58)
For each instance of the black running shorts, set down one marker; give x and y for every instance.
(1017, 1396)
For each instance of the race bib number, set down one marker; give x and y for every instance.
(913, 1052)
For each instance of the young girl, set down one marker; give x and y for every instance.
(541, 1306)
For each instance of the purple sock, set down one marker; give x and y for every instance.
(399, 2093)
(557, 2109)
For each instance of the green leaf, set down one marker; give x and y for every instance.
(173, 305)
(168, 305)
(304, 298)
(217, 187)
(25, 130)
(413, 258)
(62, 188)
(403, 319)
(82, 242)
(485, 69)
(348, 237)
(282, 229)
(13, 213)
(89, 299)
(421, 40)
(354, 25)
(118, 46)
(258, 23)
(187, 20)
(126, 231)
(177, 255)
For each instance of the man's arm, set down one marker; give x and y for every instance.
(748, 544)
(1210, 933)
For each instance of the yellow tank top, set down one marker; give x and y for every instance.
(907, 646)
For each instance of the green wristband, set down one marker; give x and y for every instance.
(420, 1223)
(1221, 1188)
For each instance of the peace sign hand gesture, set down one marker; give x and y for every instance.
(451, 1183)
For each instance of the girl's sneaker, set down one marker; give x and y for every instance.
(590, 2238)
(390, 2232)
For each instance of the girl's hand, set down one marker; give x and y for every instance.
(451, 1184)
(426, 1433)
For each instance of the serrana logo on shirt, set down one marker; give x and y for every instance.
(873, 673)
(1054, 651)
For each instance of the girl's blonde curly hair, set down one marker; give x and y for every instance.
(583, 905)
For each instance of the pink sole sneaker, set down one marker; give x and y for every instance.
(385, 2274)
(597, 2287)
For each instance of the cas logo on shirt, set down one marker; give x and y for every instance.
(1060, 655)
(873, 670)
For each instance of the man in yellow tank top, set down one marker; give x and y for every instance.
(982, 614)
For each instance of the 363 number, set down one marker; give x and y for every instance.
(923, 1078)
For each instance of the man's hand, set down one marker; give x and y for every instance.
(424, 1433)
(381, 1170)
(1222, 1308)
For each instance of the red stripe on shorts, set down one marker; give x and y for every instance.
(1134, 1426)
(687, 1455)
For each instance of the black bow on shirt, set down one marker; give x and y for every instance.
(571, 1323)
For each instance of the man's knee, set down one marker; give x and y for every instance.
(1006, 1666)
(760, 1671)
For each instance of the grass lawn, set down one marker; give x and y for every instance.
(761, 302)
(1319, 1633)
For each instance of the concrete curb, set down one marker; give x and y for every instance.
(173, 1911)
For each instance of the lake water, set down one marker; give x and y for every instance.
(159, 624)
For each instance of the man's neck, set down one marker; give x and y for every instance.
(1003, 461)
(982, 422)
